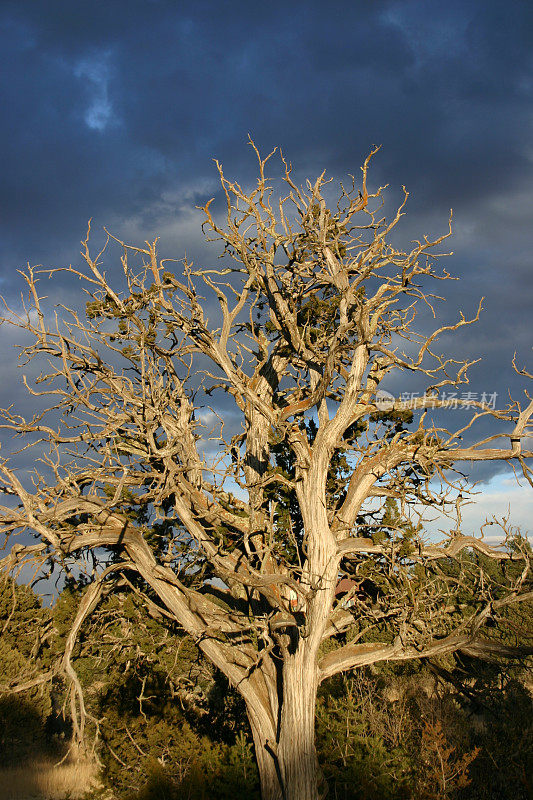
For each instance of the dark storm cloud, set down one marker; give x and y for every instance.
(113, 110)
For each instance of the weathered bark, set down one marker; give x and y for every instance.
(297, 751)
(270, 777)
(286, 756)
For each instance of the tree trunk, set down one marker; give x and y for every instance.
(297, 751)
(265, 745)
(288, 765)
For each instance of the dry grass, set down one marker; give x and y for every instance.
(43, 780)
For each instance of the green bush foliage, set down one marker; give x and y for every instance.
(168, 726)
(24, 716)
(408, 733)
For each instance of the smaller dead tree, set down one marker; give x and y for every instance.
(316, 310)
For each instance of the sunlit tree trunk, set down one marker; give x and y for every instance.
(287, 763)
(297, 751)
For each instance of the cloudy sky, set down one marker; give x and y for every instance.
(114, 110)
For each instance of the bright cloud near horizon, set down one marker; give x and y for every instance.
(114, 111)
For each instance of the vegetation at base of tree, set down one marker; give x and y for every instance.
(169, 726)
(24, 627)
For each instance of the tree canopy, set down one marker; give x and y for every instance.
(243, 533)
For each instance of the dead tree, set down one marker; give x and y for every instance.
(316, 309)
